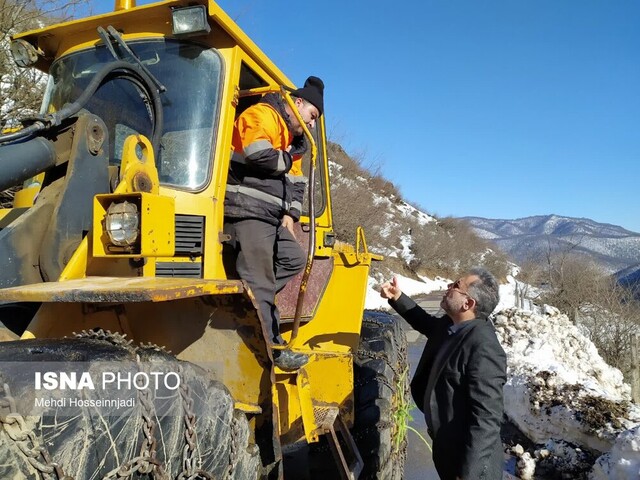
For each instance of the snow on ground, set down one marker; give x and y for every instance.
(560, 393)
(426, 285)
(406, 241)
(623, 461)
(507, 294)
(408, 211)
(408, 286)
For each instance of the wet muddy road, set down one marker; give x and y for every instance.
(419, 465)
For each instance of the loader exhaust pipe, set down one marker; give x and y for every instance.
(20, 161)
(124, 5)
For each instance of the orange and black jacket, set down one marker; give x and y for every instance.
(265, 181)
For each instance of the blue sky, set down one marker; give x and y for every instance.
(495, 108)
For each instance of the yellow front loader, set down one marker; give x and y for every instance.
(139, 356)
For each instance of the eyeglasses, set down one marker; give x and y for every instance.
(456, 286)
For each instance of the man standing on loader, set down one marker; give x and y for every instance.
(264, 197)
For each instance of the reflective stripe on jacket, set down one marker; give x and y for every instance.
(265, 181)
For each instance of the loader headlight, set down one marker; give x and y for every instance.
(190, 21)
(121, 223)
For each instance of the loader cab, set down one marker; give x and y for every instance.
(192, 76)
(208, 80)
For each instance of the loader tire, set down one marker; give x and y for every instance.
(381, 390)
(193, 429)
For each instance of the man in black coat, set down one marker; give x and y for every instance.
(458, 382)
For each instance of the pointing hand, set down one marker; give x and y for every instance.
(391, 290)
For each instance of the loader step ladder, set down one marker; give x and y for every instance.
(328, 418)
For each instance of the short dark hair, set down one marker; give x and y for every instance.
(485, 291)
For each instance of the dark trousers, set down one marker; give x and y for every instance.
(266, 257)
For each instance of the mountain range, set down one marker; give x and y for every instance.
(531, 238)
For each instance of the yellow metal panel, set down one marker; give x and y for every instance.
(145, 21)
(336, 324)
(220, 333)
(306, 406)
(153, 20)
(117, 289)
(156, 224)
(27, 196)
(327, 381)
(77, 266)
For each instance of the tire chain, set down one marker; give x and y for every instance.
(25, 438)
(146, 462)
(380, 356)
(401, 354)
(234, 452)
(190, 467)
(400, 348)
(113, 338)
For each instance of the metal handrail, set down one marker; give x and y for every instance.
(312, 219)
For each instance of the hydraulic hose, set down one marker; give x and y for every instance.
(129, 72)
(23, 160)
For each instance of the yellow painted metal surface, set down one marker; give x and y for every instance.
(220, 333)
(203, 320)
(77, 265)
(327, 380)
(305, 396)
(124, 5)
(26, 196)
(138, 170)
(146, 21)
(117, 289)
(156, 230)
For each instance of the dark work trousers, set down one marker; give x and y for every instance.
(266, 257)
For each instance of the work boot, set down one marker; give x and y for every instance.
(288, 360)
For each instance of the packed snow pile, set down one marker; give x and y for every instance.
(563, 396)
(619, 463)
(574, 410)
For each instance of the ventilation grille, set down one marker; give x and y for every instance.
(189, 235)
(179, 269)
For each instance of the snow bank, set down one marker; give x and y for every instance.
(559, 390)
(623, 461)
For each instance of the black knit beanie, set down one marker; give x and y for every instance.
(312, 92)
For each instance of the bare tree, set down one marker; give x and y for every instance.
(451, 247)
(569, 276)
(612, 321)
(21, 89)
(608, 312)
